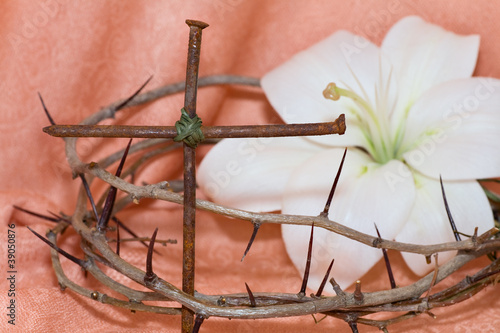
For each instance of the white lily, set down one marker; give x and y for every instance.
(413, 113)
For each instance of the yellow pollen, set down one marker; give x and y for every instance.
(331, 92)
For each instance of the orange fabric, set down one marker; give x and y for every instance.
(81, 55)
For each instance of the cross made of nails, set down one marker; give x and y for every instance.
(190, 131)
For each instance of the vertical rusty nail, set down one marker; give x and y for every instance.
(193, 61)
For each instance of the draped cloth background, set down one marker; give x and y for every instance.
(82, 55)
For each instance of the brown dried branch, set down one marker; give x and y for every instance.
(159, 191)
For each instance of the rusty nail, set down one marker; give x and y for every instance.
(193, 62)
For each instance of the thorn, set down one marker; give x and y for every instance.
(52, 122)
(48, 218)
(250, 296)
(221, 301)
(256, 227)
(387, 263)
(59, 217)
(110, 199)
(118, 240)
(430, 314)
(308, 263)
(127, 229)
(434, 276)
(325, 211)
(124, 103)
(198, 320)
(89, 195)
(450, 218)
(77, 261)
(358, 295)
(150, 275)
(323, 283)
(474, 236)
(354, 326)
(336, 288)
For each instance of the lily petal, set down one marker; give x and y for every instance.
(295, 88)
(428, 222)
(453, 130)
(363, 197)
(251, 174)
(425, 55)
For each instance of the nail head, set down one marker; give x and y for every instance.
(199, 24)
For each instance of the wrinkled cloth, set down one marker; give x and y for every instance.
(81, 56)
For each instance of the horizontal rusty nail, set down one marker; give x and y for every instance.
(210, 132)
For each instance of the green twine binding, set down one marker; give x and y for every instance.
(189, 130)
